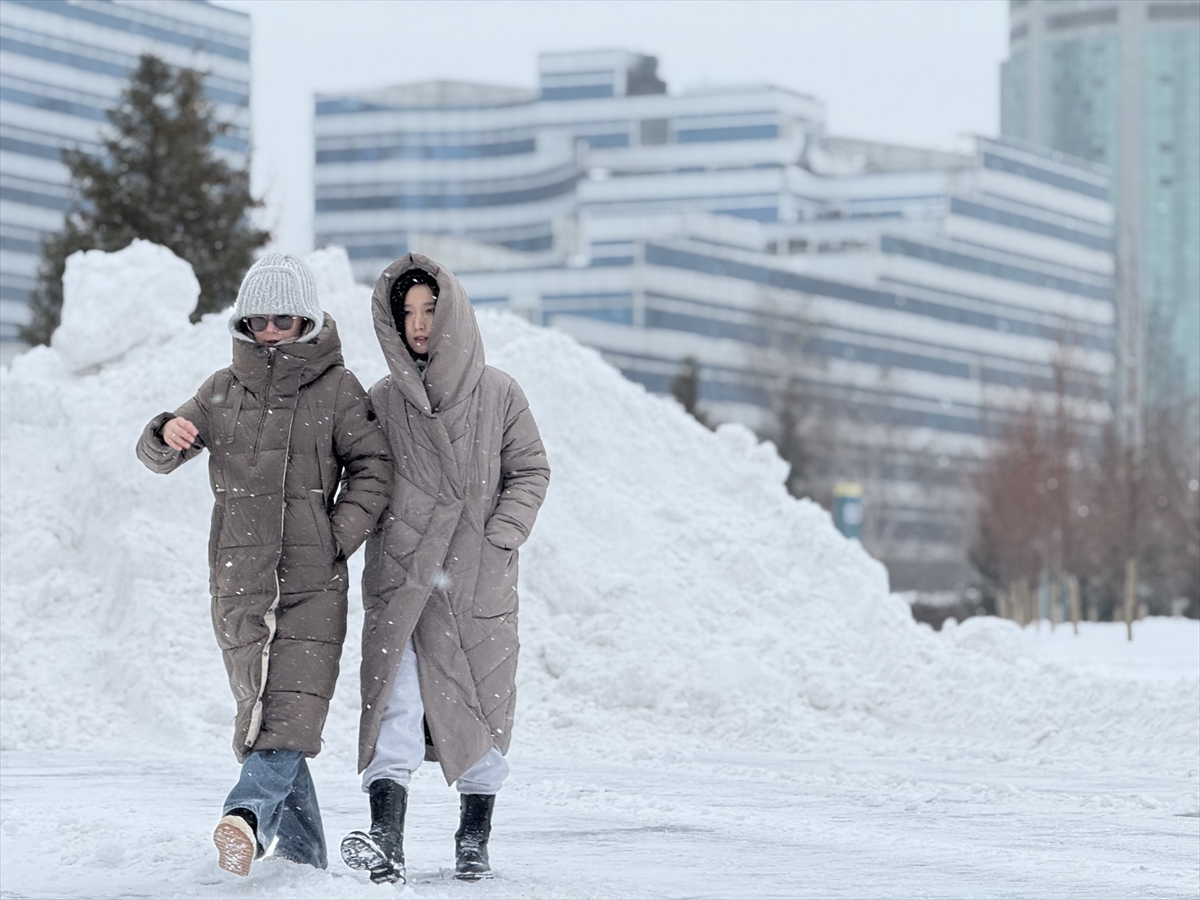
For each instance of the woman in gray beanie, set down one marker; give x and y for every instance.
(285, 425)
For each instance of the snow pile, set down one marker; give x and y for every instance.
(673, 595)
(674, 587)
(115, 301)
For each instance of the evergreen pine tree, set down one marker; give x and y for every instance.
(159, 180)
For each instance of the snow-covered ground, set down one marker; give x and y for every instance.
(719, 697)
(736, 824)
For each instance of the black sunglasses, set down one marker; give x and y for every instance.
(259, 323)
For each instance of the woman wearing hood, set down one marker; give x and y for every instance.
(284, 425)
(440, 583)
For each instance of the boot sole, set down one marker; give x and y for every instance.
(235, 851)
(360, 852)
(474, 876)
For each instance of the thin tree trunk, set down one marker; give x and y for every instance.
(1131, 577)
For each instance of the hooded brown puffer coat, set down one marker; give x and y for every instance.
(284, 427)
(471, 474)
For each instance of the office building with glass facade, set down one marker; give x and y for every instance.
(63, 64)
(1118, 82)
(910, 300)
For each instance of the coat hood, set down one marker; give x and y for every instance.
(456, 357)
(315, 354)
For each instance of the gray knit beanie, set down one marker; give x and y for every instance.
(278, 285)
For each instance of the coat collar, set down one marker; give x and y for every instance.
(312, 357)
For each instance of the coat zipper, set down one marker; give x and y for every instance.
(270, 617)
(262, 418)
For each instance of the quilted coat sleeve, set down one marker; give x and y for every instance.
(524, 475)
(362, 450)
(156, 454)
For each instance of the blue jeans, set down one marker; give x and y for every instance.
(276, 787)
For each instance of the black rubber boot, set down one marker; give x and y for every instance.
(381, 850)
(471, 839)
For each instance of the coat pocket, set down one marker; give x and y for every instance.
(324, 528)
(496, 588)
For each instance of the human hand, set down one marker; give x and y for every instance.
(179, 433)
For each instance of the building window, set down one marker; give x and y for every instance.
(1083, 17)
(1174, 11)
(653, 131)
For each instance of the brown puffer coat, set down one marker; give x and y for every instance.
(471, 474)
(284, 427)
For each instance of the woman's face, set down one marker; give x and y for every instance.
(419, 304)
(273, 334)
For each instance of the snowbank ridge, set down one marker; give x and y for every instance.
(671, 589)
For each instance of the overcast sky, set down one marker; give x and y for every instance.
(911, 71)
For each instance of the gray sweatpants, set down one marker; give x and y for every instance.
(400, 747)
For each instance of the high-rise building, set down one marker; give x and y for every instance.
(63, 64)
(1118, 82)
(902, 302)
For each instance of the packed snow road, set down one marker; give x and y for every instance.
(742, 825)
